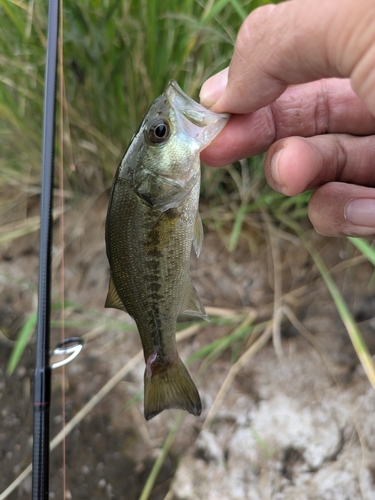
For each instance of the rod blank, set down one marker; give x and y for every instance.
(42, 374)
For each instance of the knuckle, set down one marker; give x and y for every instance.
(253, 29)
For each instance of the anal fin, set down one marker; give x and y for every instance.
(113, 299)
(192, 304)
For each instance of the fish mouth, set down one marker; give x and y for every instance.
(198, 122)
(193, 111)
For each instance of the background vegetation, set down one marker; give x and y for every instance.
(118, 56)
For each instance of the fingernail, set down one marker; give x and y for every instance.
(361, 212)
(213, 88)
(275, 170)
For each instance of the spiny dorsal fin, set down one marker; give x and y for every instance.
(113, 299)
(191, 304)
(198, 234)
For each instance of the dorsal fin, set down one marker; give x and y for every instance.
(198, 234)
(191, 304)
(113, 299)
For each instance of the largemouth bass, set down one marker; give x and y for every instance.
(152, 224)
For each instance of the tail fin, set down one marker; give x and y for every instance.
(171, 388)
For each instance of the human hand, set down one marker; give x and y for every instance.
(319, 135)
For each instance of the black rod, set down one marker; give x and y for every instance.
(42, 375)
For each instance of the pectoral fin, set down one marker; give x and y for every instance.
(162, 232)
(191, 304)
(198, 234)
(113, 299)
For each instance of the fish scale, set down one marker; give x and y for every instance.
(152, 223)
(143, 271)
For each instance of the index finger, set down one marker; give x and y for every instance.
(325, 106)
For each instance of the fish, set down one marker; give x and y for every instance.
(151, 226)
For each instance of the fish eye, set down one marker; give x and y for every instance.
(159, 131)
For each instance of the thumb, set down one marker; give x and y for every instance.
(296, 42)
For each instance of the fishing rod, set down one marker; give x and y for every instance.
(42, 373)
(72, 346)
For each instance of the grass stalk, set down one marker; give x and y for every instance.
(161, 458)
(23, 339)
(365, 248)
(347, 318)
(234, 370)
(90, 405)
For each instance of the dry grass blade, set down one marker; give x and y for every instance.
(235, 369)
(310, 338)
(221, 312)
(14, 230)
(16, 482)
(184, 334)
(160, 460)
(211, 351)
(347, 318)
(277, 286)
(79, 417)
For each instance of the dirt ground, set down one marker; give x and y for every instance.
(298, 424)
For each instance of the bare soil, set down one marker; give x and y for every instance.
(298, 424)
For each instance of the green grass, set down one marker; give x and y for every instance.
(118, 56)
(23, 338)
